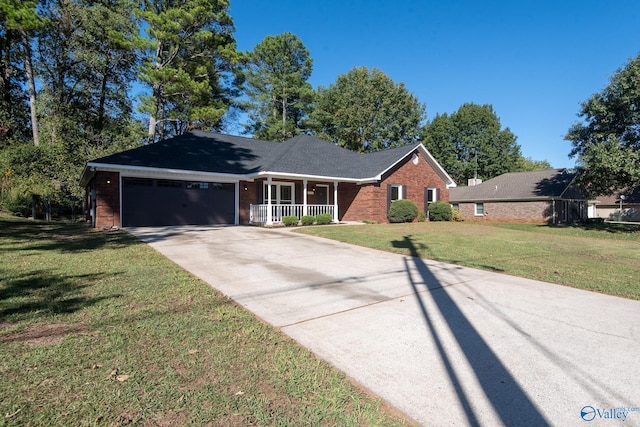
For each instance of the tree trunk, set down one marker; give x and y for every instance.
(284, 114)
(153, 116)
(28, 68)
(152, 129)
(103, 96)
(6, 72)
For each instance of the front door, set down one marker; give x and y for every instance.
(322, 195)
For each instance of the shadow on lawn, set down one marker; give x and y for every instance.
(58, 236)
(44, 294)
(508, 399)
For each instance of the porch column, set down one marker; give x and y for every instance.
(269, 212)
(335, 201)
(304, 197)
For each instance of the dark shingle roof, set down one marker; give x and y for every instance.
(545, 184)
(198, 151)
(631, 197)
(225, 154)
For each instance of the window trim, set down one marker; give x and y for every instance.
(277, 200)
(435, 193)
(399, 189)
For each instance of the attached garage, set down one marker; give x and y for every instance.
(160, 202)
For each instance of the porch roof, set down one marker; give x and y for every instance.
(247, 158)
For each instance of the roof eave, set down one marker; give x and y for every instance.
(297, 176)
(128, 170)
(505, 199)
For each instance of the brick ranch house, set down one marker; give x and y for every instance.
(203, 178)
(547, 196)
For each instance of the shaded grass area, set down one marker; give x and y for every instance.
(601, 258)
(99, 329)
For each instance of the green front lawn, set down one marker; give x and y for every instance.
(99, 329)
(603, 258)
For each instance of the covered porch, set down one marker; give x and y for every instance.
(282, 198)
(259, 214)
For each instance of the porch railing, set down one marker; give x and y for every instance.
(258, 213)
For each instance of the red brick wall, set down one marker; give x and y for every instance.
(248, 195)
(531, 212)
(107, 186)
(369, 202)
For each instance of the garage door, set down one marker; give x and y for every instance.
(157, 202)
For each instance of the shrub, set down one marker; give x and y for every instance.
(402, 211)
(456, 215)
(290, 220)
(422, 217)
(440, 211)
(595, 221)
(324, 219)
(308, 220)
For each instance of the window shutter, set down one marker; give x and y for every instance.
(404, 191)
(260, 192)
(297, 193)
(426, 199)
(388, 197)
(437, 190)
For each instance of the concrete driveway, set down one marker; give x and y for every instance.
(444, 344)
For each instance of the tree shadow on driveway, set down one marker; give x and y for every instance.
(509, 401)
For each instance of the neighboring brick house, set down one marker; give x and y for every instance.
(547, 196)
(211, 179)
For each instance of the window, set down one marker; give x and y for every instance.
(395, 192)
(286, 194)
(198, 185)
(433, 195)
(281, 193)
(455, 206)
(479, 209)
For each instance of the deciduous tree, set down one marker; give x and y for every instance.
(607, 140)
(471, 143)
(365, 110)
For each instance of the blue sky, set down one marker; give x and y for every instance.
(534, 61)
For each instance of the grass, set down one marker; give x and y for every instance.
(603, 257)
(99, 329)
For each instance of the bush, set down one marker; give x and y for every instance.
(422, 217)
(440, 211)
(308, 220)
(594, 220)
(456, 215)
(402, 211)
(290, 220)
(324, 219)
